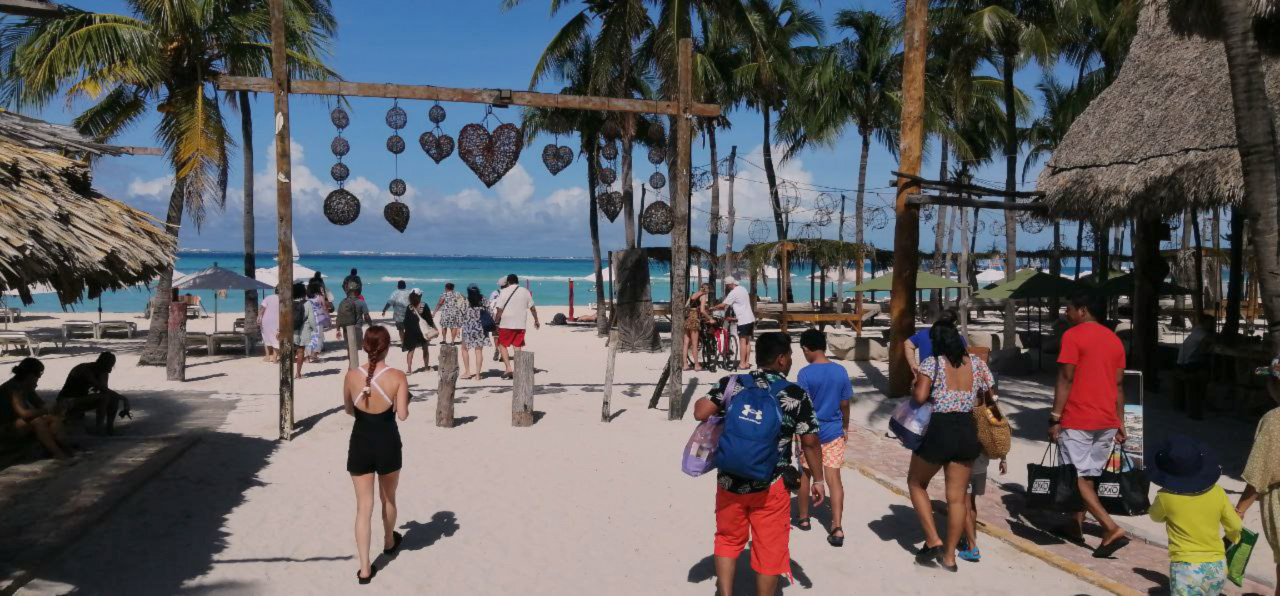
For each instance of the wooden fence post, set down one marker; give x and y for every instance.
(448, 381)
(662, 383)
(522, 393)
(176, 358)
(608, 374)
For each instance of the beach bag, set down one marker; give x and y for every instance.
(748, 445)
(910, 420)
(428, 332)
(1238, 556)
(486, 321)
(1123, 488)
(1053, 487)
(993, 430)
(700, 451)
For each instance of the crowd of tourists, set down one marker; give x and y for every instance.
(24, 415)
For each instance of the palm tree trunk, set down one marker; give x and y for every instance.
(963, 267)
(1256, 139)
(1197, 300)
(858, 209)
(728, 246)
(1055, 268)
(1180, 301)
(1010, 185)
(1079, 247)
(246, 132)
(784, 285)
(1216, 291)
(628, 190)
(156, 349)
(939, 227)
(602, 322)
(714, 227)
(1235, 274)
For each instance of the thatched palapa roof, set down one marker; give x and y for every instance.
(56, 230)
(1160, 138)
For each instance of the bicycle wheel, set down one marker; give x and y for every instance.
(709, 356)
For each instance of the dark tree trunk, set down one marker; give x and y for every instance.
(628, 191)
(1055, 268)
(1010, 185)
(1079, 247)
(602, 322)
(250, 296)
(772, 179)
(1235, 275)
(155, 350)
(859, 211)
(714, 226)
(1197, 300)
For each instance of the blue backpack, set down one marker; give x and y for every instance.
(748, 447)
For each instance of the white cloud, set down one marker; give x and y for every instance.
(155, 188)
(516, 187)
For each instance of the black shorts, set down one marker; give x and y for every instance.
(374, 447)
(748, 330)
(951, 437)
(400, 326)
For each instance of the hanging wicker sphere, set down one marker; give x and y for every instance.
(341, 207)
(609, 151)
(657, 155)
(340, 172)
(608, 176)
(788, 196)
(610, 204)
(339, 118)
(396, 214)
(877, 219)
(717, 225)
(758, 231)
(657, 181)
(824, 202)
(397, 187)
(397, 117)
(395, 144)
(436, 114)
(658, 218)
(808, 232)
(822, 219)
(340, 146)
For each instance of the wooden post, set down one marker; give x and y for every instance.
(284, 215)
(784, 273)
(608, 375)
(176, 359)
(522, 393)
(662, 384)
(906, 238)
(680, 233)
(728, 241)
(448, 381)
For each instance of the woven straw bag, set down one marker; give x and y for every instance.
(993, 430)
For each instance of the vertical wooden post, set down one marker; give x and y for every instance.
(608, 375)
(522, 390)
(284, 215)
(176, 357)
(680, 233)
(662, 383)
(906, 237)
(448, 382)
(728, 241)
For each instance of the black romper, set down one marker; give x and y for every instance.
(375, 438)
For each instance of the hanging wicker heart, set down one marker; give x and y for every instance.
(657, 181)
(397, 214)
(341, 207)
(339, 118)
(489, 155)
(658, 218)
(397, 187)
(436, 114)
(340, 146)
(556, 158)
(340, 172)
(437, 147)
(609, 151)
(657, 155)
(608, 176)
(395, 144)
(397, 118)
(610, 204)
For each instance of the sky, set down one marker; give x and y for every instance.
(529, 212)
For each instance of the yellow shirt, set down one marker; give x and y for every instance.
(1192, 522)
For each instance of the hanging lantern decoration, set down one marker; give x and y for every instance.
(396, 117)
(657, 155)
(877, 219)
(808, 232)
(608, 176)
(758, 231)
(717, 225)
(824, 203)
(556, 157)
(609, 150)
(1030, 223)
(437, 145)
(395, 212)
(788, 196)
(395, 144)
(657, 181)
(821, 219)
(489, 155)
(340, 206)
(658, 218)
(610, 203)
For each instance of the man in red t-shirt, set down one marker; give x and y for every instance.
(1088, 412)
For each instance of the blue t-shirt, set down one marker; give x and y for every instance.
(827, 384)
(922, 343)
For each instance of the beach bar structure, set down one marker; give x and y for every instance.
(682, 108)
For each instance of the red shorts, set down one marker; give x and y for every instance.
(512, 338)
(767, 516)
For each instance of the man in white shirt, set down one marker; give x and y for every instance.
(514, 306)
(737, 298)
(493, 306)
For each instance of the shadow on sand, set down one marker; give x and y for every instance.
(744, 579)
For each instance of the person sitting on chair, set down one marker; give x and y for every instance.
(86, 389)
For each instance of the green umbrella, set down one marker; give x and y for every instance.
(924, 281)
(1123, 284)
(1028, 284)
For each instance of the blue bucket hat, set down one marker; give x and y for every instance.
(1184, 465)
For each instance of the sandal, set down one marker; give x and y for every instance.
(506, 376)
(833, 540)
(972, 555)
(1105, 551)
(396, 538)
(364, 581)
(804, 525)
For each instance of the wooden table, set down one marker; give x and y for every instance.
(852, 319)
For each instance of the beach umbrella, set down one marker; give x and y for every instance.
(271, 275)
(924, 281)
(1123, 284)
(1028, 284)
(217, 278)
(988, 276)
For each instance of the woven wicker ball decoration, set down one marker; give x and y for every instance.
(340, 146)
(608, 176)
(556, 158)
(926, 213)
(397, 214)
(808, 232)
(822, 219)
(824, 203)
(788, 196)
(657, 155)
(397, 187)
(609, 151)
(339, 118)
(1031, 224)
(657, 181)
(758, 231)
(397, 118)
(610, 204)
(877, 219)
(340, 172)
(341, 207)
(717, 225)
(395, 144)
(658, 218)
(490, 155)
(437, 146)
(436, 114)
(702, 180)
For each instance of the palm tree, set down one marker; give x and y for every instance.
(714, 59)
(164, 55)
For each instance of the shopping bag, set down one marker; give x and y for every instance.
(1123, 488)
(700, 451)
(1053, 487)
(909, 422)
(1238, 556)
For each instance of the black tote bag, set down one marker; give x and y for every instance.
(1053, 487)
(1122, 488)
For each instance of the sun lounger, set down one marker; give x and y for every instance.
(20, 340)
(193, 311)
(238, 325)
(217, 340)
(127, 327)
(196, 339)
(70, 328)
(13, 314)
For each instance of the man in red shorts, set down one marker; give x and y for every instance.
(514, 305)
(761, 509)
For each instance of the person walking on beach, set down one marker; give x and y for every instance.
(269, 327)
(1262, 471)
(304, 326)
(919, 346)
(22, 412)
(397, 302)
(514, 306)
(375, 395)
(737, 298)
(315, 345)
(493, 305)
(954, 382)
(353, 315)
(416, 317)
(353, 281)
(760, 510)
(1088, 413)
(474, 335)
(828, 385)
(697, 313)
(450, 307)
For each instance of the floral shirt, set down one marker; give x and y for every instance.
(797, 419)
(955, 400)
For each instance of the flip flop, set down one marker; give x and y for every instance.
(972, 555)
(833, 540)
(1105, 551)
(804, 525)
(396, 538)
(364, 581)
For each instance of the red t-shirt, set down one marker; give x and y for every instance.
(1098, 356)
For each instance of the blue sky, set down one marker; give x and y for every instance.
(530, 212)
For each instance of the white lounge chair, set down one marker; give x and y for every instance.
(70, 328)
(21, 340)
(217, 340)
(127, 327)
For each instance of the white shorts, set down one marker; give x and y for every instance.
(978, 478)
(1087, 450)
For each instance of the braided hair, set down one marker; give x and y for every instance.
(376, 342)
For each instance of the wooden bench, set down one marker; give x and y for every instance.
(217, 340)
(70, 328)
(105, 327)
(852, 319)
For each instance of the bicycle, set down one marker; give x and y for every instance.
(724, 343)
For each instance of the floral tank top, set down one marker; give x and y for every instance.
(955, 400)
